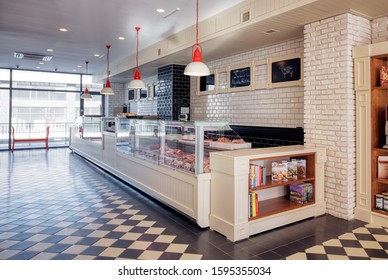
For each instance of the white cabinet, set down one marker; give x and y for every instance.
(230, 204)
(371, 106)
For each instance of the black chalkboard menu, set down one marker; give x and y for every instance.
(286, 70)
(207, 83)
(131, 94)
(240, 77)
(143, 93)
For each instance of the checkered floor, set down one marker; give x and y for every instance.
(56, 205)
(75, 214)
(364, 243)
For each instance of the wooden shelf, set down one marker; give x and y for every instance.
(378, 103)
(380, 150)
(382, 181)
(277, 205)
(273, 184)
(382, 212)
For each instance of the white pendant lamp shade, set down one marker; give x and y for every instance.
(107, 90)
(86, 95)
(137, 82)
(196, 67)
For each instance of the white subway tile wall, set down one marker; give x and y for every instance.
(329, 102)
(118, 99)
(281, 107)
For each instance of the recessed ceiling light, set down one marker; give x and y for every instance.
(50, 50)
(270, 31)
(74, 70)
(63, 29)
(160, 10)
(96, 55)
(37, 67)
(79, 66)
(41, 63)
(121, 38)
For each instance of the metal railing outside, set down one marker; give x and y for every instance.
(59, 134)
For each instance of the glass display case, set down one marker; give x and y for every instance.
(89, 128)
(108, 124)
(180, 145)
(122, 134)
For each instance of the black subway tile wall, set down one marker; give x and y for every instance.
(262, 137)
(173, 91)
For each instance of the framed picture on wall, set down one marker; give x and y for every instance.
(239, 77)
(207, 84)
(131, 94)
(286, 71)
(143, 93)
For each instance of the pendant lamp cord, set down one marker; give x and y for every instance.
(137, 47)
(86, 62)
(107, 58)
(196, 26)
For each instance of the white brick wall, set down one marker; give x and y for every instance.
(329, 102)
(380, 30)
(282, 107)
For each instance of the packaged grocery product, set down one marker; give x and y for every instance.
(279, 171)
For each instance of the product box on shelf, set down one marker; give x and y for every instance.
(301, 193)
(382, 167)
(301, 167)
(292, 171)
(279, 171)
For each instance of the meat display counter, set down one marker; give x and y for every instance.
(168, 160)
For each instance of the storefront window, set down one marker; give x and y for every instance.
(41, 99)
(4, 78)
(4, 118)
(45, 80)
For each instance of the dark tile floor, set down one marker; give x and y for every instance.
(56, 205)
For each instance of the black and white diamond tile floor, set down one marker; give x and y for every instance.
(56, 205)
(364, 243)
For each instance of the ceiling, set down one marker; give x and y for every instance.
(32, 26)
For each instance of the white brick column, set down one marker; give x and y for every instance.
(329, 102)
(380, 30)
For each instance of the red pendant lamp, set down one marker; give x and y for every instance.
(137, 82)
(107, 90)
(86, 95)
(196, 67)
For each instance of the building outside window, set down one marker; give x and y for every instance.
(41, 99)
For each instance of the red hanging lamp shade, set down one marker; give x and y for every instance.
(196, 67)
(86, 95)
(137, 82)
(107, 90)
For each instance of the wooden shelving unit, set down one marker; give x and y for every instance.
(230, 190)
(371, 103)
(282, 203)
(379, 102)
